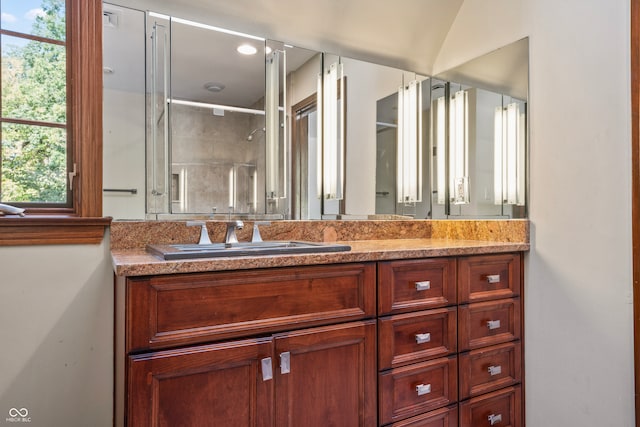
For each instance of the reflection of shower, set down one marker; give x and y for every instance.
(250, 136)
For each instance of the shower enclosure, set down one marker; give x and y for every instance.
(211, 94)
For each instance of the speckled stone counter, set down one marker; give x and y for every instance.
(390, 241)
(137, 262)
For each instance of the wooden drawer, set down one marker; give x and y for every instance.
(482, 278)
(416, 285)
(414, 337)
(415, 389)
(488, 323)
(501, 408)
(444, 417)
(173, 310)
(489, 369)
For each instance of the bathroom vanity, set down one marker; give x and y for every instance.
(421, 332)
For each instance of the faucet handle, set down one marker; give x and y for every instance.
(256, 237)
(204, 234)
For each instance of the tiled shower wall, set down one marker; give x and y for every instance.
(205, 149)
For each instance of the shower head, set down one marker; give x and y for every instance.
(250, 136)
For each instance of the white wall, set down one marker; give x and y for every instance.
(56, 333)
(578, 318)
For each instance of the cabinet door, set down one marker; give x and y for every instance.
(327, 376)
(214, 385)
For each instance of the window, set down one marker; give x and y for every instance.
(51, 120)
(34, 149)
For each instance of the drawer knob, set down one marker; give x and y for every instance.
(493, 278)
(493, 324)
(494, 419)
(423, 286)
(423, 389)
(495, 370)
(423, 338)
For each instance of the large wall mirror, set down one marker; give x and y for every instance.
(207, 122)
(485, 165)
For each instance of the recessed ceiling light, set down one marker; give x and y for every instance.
(247, 49)
(214, 87)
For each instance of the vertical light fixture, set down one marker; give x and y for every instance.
(409, 144)
(255, 191)
(459, 148)
(272, 114)
(441, 149)
(319, 134)
(509, 129)
(232, 189)
(331, 133)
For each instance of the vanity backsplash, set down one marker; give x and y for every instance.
(137, 234)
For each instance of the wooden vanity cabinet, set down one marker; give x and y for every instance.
(417, 324)
(247, 349)
(449, 342)
(489, 340)
(433, 342)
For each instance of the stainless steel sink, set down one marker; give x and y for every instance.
(191, 251)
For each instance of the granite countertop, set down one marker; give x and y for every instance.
(137, 262)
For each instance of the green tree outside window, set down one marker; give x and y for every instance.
(34, 92)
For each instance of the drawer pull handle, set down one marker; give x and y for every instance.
(423, 338)
(285, 363)
(494, 419)
(495, 370)
(267, 369)
(423, 389)
(493, 278)
(423, 286)
(493, 324)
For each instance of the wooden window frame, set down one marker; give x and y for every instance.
(83, 223)
(635, 193)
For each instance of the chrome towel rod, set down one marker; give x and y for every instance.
(121, 190)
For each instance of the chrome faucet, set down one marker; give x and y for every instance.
(231, 237)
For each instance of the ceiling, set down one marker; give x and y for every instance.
(505, 70)
(408, 37)
(406, 34)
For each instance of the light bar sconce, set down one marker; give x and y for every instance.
(276, 167)
(509, 155)
(459, 148)
(409, 143)
(331, 133)
(441, 149)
